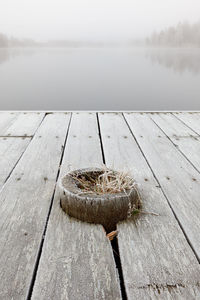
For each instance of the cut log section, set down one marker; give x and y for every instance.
(106, 209)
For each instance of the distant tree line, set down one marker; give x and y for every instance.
(3, 40)
(182, 35)
(6, 42)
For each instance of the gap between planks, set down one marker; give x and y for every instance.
(185, 123)
(16, 136)
(27, 201)
(177, 148)
(135, 241)
(184, 222)
(81, 263)
(47, 220)
(114, 244)
(17, 161)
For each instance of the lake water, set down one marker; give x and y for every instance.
(100, 79)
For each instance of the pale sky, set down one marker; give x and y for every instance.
(93, 19)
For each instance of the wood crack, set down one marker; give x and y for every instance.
(157, 180)
(170, 287)
(114, 242)
(47, 219)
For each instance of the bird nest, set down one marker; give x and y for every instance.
(105, 181)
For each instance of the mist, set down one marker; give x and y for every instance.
(99, 55)
(89, 20)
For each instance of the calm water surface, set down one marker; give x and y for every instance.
(100, 79)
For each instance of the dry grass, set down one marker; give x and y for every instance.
(112, 182)
(107, 181)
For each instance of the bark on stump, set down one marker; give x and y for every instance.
(106, 209)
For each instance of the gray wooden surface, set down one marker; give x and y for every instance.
(143, 240)
(190, 119)
(19, 124)
(77, 260)
(44, 254)
(24, 202)
(177, 177)
(184, 138)
(11, 150)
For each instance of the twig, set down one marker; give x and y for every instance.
(148, 213)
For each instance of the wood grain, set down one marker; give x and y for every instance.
(178, 178)
(19, 123)
(77, 260)
(157, 261)
(24, 202)
(11, 150)
(6, 120)
(172, 126)
(183, 138)
(190, 119)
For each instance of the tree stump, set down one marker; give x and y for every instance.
(106, 209)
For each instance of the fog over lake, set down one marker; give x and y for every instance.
(100, 79)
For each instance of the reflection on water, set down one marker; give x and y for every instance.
(7, 54)
(99, 79)
(179, 60)
(4, 55)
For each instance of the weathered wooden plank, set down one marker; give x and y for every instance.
(169, 292)
(157, 261)
(24, 200)
(178, 178)
(172, 126)
(6, 120)
(19, 124)
(10, 151)
(190, 119)
(183, 138)
(77, 261)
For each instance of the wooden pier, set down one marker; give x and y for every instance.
(46, 255)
